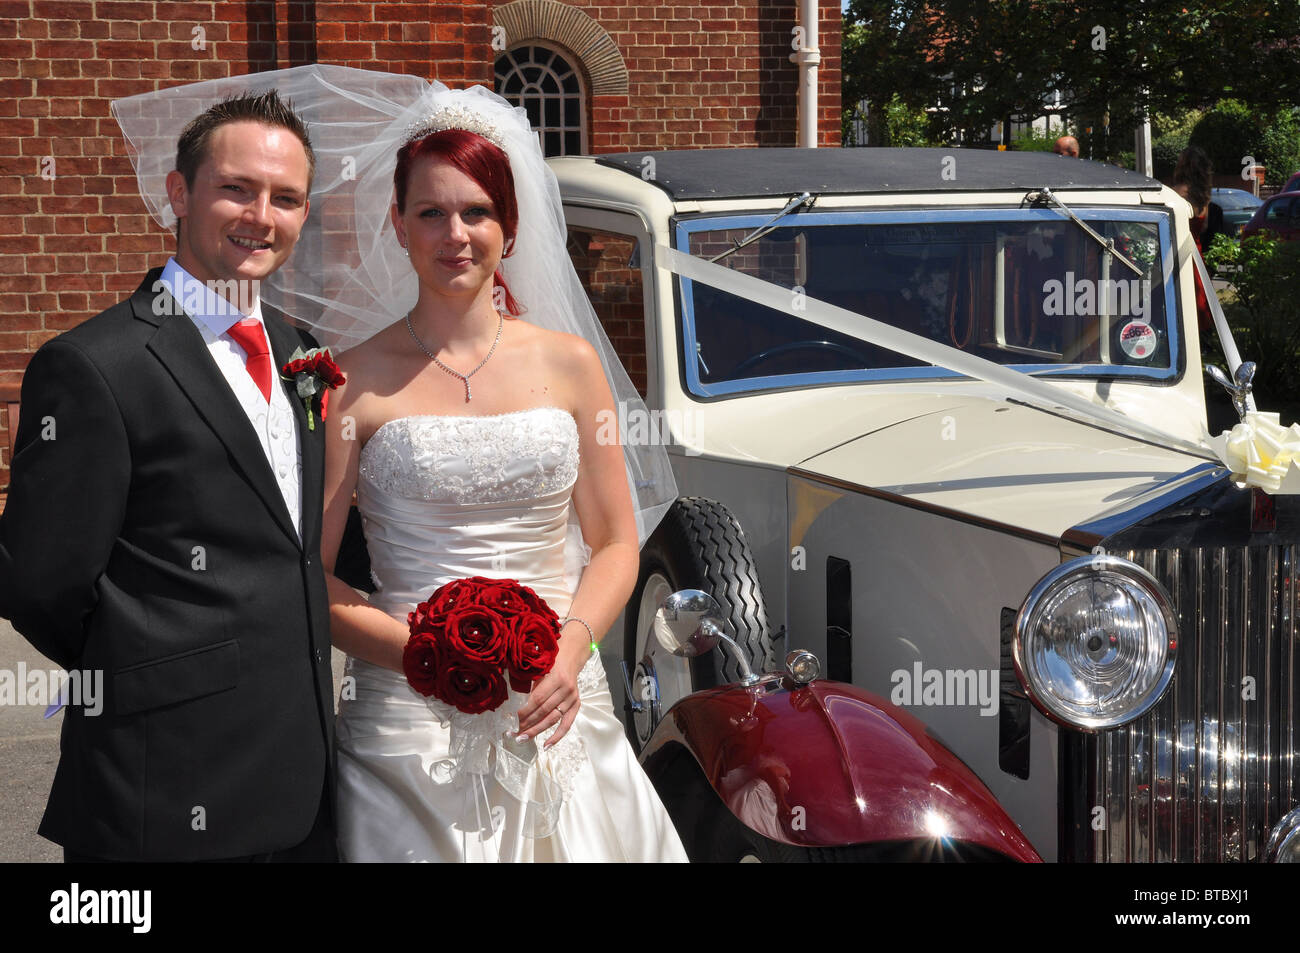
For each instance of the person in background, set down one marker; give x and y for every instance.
(1193, 181)
(1067, 146)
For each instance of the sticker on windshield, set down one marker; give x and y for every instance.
(1138, 340)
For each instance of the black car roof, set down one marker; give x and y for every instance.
(748, 173)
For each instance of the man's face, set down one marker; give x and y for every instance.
(243, 215)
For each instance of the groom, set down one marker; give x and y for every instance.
(163, 528)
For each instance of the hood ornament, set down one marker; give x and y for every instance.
(1239, 387)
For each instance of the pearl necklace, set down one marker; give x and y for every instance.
(501, 320)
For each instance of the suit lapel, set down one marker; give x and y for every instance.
(311, 442)
(180, 347)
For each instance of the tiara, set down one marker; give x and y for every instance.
(455, 117)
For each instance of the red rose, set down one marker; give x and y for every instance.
(536, 604)
(471, 687)
(452, 595)
(424, 619)
(531, 650)
(328, 371)
(421, 661)
(476, 634)
(505, 598)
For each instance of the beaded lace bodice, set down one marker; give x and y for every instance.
(474, 459)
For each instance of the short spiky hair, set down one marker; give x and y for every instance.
(264, 107)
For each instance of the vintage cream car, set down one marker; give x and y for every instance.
(939, 417)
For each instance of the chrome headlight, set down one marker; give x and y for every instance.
(1095, 642)
(1284, 842)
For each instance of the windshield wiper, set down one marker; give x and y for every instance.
(1045, 195)
(804, 198)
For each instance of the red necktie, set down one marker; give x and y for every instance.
(249, 335)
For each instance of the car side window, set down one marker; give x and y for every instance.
(608, 265)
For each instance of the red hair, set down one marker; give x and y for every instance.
(483, 162)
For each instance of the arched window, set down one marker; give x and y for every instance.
(544, 82)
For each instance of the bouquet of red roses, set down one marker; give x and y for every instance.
(475, 636)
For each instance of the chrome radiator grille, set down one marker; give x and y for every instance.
(1205, 775)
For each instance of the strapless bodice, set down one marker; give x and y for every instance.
(444, 498)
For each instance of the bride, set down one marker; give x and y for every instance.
(468, 434)
(434, 257)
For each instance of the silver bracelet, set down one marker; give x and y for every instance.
(590, 634)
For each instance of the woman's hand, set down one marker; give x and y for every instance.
(554, 699)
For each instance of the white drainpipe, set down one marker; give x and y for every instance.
(807, 56)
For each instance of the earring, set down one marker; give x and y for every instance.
(509, 247)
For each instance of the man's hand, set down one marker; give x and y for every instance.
(67, 495)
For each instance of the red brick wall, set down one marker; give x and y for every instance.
(77, 238)
(711, 75)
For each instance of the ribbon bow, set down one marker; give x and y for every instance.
(1261, 452)
(483, 745)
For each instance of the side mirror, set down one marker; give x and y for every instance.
(690, 623)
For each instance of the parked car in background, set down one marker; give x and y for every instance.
(1292, 184)
(1238, 206)
(934, 416)
(1279, 215)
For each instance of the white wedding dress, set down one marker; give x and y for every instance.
(444, 498)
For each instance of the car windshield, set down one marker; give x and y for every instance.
(1021, 287)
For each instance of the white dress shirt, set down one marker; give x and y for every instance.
(275, 425)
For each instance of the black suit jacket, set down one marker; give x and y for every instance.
(145, 536)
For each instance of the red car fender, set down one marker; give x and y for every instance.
(828, 764)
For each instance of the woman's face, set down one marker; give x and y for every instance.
(451, 230)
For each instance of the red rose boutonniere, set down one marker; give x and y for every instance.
(313, 372)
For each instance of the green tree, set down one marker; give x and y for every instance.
(1232, 133)
(1171, 135)
(1263, 312)
(1115, 58)
(884, 60)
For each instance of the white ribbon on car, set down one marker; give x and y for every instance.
(1029, 389)
(1216, 311)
